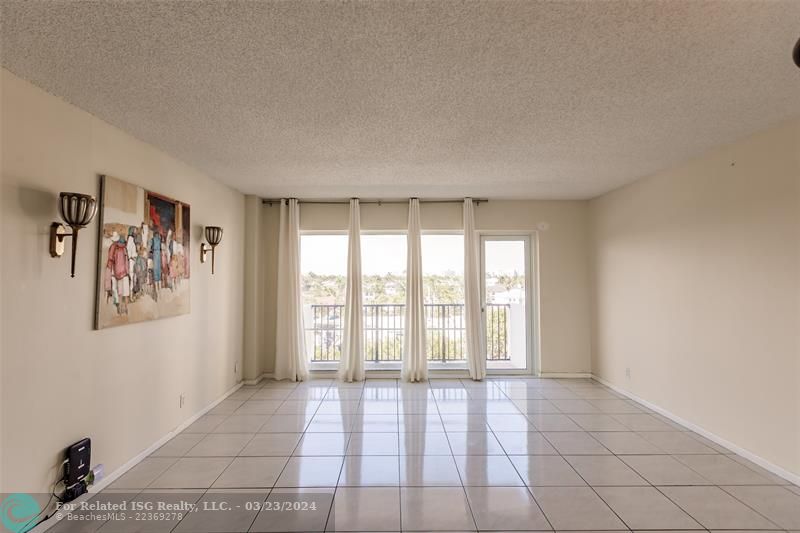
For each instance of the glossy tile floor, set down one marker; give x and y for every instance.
(450, 455)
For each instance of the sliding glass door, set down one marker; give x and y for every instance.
(507, 289)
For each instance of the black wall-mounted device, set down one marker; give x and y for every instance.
(79, 457)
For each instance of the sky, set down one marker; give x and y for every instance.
(381, 254)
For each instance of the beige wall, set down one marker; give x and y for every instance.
(562, 252)
(61, 380)
(697, 291)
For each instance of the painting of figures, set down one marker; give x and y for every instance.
(144, 255)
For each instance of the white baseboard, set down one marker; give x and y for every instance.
(760, 461)
(566, 375)
(256, 381)
(116, 474)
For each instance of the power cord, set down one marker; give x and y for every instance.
(53, 495)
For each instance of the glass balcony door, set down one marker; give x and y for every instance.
(506, 305)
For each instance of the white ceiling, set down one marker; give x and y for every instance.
(389, 99)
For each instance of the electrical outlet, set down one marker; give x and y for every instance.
(182, 400)
(628, 372)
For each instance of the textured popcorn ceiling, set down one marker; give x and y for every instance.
(387, 99)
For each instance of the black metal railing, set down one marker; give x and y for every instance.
(384, 326)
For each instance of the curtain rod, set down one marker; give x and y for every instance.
(271, 201)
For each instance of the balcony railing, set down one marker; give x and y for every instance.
(384, 328)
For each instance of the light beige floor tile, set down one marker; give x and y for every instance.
(642, 422)
(424, 444)
(509, 422)
(192, 473)
(474, 443)
(616, 407)
(776, 503)
(487, 471)
(422, 509)
(258, 407)
(272, 394)
(428, 471)
(416, 405)
(415, 423)
(598, 422)
(144, 473)
(285, 424)
(524, 443)
(575, 509)
(605, 470)
(241, 424)
(715, 509)
(344, 393)
(370, 470)
(290, 407)
(722, 470)
(220, 445)
(366, 509)
(546, 471)
(241, 510)
(676, 442)
(378, 407)
(560, 422)
(311, 472)
(375, 424)
(511, 508)
(295, 510)
(575, 443)
(226, 407)
(251, 472)
(575, 407)
(373, 444)
(271, 444)
(463, 423)
(308, 393)
(559, 394)
(532, 407)
(461, 407)
(627, 443)
(338, 407)
(664, 470)
(322, 444)
(242, 394)
(179, 445)
(205, 424)
(646, 508)
(341, 423)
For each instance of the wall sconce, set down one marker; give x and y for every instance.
(77, 210)
(214, 237)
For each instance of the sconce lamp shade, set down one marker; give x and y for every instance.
(796, 53)
(213, 235)
(77, 209)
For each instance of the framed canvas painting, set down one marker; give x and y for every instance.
(143, 267)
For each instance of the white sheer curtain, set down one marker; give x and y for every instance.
(476, 358)
(415, 361)
(351, 367)
(290, 346)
